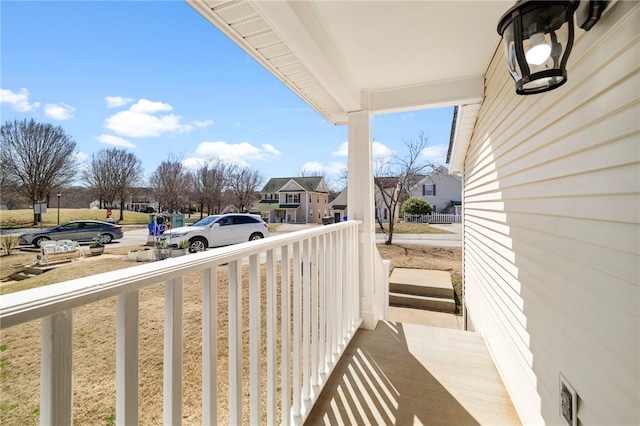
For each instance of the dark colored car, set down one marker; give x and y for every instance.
(76, 230)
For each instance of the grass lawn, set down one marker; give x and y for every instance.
(13, 219)
(411, 228)
(94, 340)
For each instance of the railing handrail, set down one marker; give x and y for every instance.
(28, 305)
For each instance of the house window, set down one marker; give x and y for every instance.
(429, 190)
(293, 198)
(385, 216)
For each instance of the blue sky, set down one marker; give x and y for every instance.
(158, 79)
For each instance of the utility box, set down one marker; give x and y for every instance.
(176, 220)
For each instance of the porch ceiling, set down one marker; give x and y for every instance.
(342, 56)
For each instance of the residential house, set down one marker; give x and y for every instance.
(338, 207)
(443, 191)
(139, 200)
(294, 200)
(551, 196)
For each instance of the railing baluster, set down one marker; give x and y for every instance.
(314, 311)
(334, 297)
(306, 319)
(339, 289)
(328, 283)
(285, 282)
(173, 352)
(235, 343)
(56, 369)
(322, 269)
(209, 346)
(354, 304)
(272, 320)
(254, 341)
(297, 323)
(127, 381)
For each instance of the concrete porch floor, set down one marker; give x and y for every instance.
(404, 374)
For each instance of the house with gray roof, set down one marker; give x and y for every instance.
(294, 200)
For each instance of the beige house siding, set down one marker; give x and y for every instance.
(552, 234)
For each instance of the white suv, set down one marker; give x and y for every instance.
(217, 230)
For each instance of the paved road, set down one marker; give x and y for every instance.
(139, 236)
(133, 237)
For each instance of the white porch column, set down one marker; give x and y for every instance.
(361, 207)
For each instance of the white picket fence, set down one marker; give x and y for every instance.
(433, 218)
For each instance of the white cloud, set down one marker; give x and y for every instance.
(436, 154)
(144, 119)
(241, 153)
(270, 149)
(59, 112)
(115, 141)
(82, 160)
(81, 157)
(312, 167)
(329, 169)
(117, 101)
(145, 106)
(379, 150)
(204, 123)
(18, 101)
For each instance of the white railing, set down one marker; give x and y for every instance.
(317, 280)
(433, 218)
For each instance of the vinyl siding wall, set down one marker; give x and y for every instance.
(552, 234)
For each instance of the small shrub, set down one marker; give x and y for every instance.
(8, 243)
(416, 205)
(96, 242)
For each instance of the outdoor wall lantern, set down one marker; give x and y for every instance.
(538, 36)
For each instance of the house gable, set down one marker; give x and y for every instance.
(292, 186)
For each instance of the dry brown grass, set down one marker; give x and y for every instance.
(94, 343)
(13, 219)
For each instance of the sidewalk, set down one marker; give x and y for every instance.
(444, 240)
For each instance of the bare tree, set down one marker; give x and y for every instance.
(38, 158)
(170, 183)
(129, 173)
(208, 182)
(9, 185)
(245, 184)
(100, 176)
(111, 175)
(396, 177)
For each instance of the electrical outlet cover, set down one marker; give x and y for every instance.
(568, 403)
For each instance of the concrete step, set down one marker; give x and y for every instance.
(421, 282)
(422, 302)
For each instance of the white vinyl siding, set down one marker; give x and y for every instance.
(552, 235)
